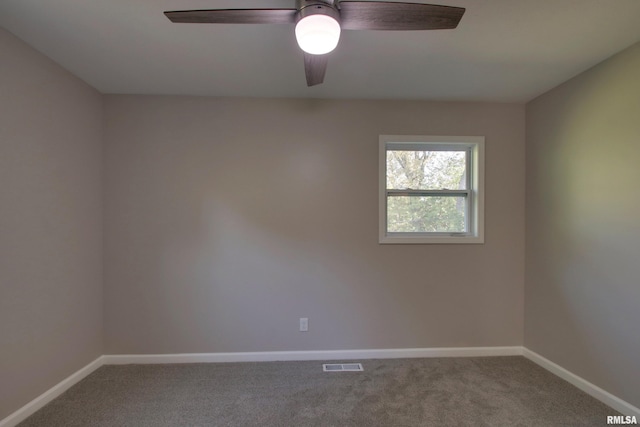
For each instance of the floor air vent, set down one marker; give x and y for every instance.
(342, 367)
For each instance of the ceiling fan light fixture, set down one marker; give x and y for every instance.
(317, 34)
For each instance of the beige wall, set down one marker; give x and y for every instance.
(228, 219)
(50, 224)
(583, 230)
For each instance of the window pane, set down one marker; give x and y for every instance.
(426, 170)
(425, 214)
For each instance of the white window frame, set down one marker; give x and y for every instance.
(475, 198)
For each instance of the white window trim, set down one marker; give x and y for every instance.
(476, 232)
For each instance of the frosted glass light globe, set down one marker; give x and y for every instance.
(317, 34)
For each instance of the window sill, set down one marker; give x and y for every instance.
(433, 240)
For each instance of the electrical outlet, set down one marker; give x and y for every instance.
(304, 324)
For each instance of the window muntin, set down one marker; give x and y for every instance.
(430, 189)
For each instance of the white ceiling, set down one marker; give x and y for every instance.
(503, 50)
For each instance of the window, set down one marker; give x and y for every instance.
(431, 189)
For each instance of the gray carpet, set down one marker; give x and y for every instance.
(483, 391)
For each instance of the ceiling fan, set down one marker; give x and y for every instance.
(319, 22)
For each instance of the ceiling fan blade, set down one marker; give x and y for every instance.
(366, 15)
(315, 67)
(233, 16)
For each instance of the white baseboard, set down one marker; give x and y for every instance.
(605, 397)
(46, 397)
(272, 356)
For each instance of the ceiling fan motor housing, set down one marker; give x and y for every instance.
(316, 7)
